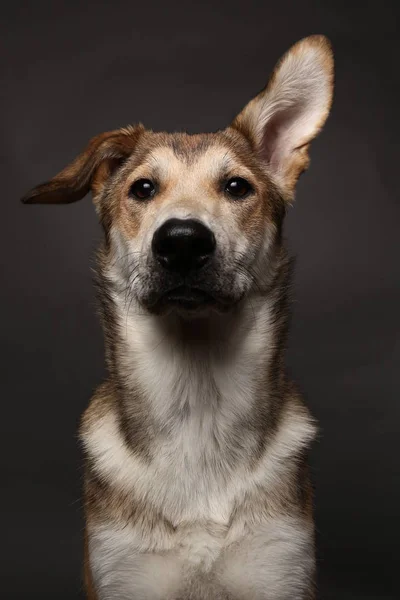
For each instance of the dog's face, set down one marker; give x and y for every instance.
(193, 222)
(189, 218)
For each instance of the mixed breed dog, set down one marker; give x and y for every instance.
(196, 477)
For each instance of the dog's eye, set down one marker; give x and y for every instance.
(142, 189)
(238, 187)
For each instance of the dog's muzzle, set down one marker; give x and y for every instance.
(183, 250)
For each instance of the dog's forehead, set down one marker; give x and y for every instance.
(203, 155)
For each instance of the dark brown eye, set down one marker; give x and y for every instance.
(142, 189)
(238, 187)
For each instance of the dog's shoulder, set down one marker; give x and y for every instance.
(107, 451)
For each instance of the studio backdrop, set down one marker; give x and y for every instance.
(70, 70)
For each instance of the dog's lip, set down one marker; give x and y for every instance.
(188, 298)
(188, 295)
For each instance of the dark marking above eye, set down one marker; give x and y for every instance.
(190, 147)
(238, 187)
(142, 189)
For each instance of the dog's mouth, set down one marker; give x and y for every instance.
(197, 296)
(187, 298)
(190, 299)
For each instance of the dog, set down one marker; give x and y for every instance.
(196, 479)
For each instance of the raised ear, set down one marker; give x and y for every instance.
(283, 119)
(89, 170)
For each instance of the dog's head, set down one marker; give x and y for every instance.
(192, 221)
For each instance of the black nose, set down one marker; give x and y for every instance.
(183, 245)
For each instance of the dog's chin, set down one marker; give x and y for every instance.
(190, 302)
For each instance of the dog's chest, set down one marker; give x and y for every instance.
(194, 475)
(184, 487)
(202, 448)
(194, 481)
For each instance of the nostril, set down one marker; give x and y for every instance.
(183, 244)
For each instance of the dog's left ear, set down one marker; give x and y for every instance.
(284, 118)
(89, 170)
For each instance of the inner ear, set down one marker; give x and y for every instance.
(275, 134)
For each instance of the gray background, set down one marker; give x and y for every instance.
(70, 71)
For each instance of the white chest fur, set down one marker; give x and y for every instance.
(177, 481)
(198, 396)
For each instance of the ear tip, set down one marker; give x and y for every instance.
(319, 38)
(319, 42)
(319, 48)
(27, 199)
(32, 196)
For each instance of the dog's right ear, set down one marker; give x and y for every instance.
(89, 170)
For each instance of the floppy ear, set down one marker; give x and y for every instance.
(89, 170)
(283, 119)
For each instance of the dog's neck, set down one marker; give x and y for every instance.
(211, 373)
